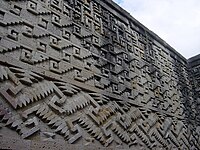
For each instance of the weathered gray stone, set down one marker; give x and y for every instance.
(84, 74)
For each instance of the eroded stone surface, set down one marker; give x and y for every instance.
(84, 74)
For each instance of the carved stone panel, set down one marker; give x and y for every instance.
(84, 74)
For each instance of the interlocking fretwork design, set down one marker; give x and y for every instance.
(87, 73)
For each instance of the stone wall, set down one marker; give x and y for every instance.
(194, 103)
(84, 74)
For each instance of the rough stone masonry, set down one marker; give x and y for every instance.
(84, 74)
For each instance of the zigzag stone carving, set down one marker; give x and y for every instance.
(84, 74)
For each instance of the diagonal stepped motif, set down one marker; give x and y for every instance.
(87, 73)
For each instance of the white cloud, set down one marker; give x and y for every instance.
(175, 21)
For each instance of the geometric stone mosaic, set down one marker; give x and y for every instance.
(84, 74)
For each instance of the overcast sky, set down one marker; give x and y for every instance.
(175, 21)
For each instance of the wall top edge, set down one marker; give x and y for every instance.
(194, 58)
(127, 15)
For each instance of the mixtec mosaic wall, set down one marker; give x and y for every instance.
(84, 74)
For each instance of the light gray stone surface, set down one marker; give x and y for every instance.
(84, 74)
